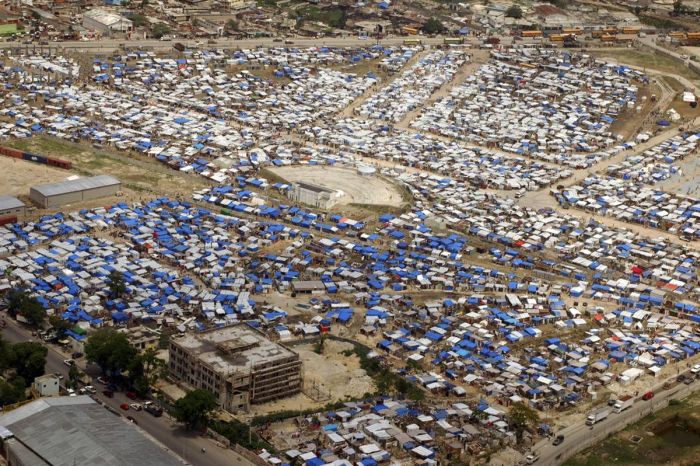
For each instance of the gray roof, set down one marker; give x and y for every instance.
(9, 202)
(81, 184)
(76, 430)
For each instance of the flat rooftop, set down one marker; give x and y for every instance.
(10, 202)
(314, 187)
(76, 430)
(233, 349)
(81, 184)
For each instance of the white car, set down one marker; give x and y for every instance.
(695, 369)
(136, 406)
(532, 459)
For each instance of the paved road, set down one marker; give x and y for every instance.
(112, 44)
(581, 436)
(185, 444)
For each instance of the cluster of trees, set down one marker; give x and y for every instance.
(433, 26)
(111, 351)
(20, 364)
(19, 302)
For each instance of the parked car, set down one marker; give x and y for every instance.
(695, 369)
(69, 362)
(77, 355)
(136, 406)
(90, 389)
(648, 396)
(558, 440)
(59, 375)
(532, 458)
(102, 380)
(131, 419)
(124, 406)
(131, 395)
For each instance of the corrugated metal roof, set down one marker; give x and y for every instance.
(82, 184)
(76, 430)
(10, 202)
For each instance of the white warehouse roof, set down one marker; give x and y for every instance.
(82, 184)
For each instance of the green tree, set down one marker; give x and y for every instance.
(15, 298)
(7, 355)
(117, 285)
(231, 25)
(138, 20)
(110, 350)
(159, 30)
(514, 12)
(73, 373)
(678, 7)
(59, 325)
(12, 391)
(194, 408)
(522, 417)
(34, 312)
(144, 370)
(433, 26)
(30, 359)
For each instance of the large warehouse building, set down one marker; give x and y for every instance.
(238, 364)
(69, 192)
(70, 430)
(10, 205)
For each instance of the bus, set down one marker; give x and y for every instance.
(412, 42)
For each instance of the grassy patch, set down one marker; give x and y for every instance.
(650, 60)
(333, 17)
(663, 434)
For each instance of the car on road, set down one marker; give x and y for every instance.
(288, 42)
(695, 369)
(59, 375)
(124, 406)
(69, 362)
(688, 380)
(102, 380)
(558, 440)
(648, 396)
(136, 406)
(77, 355)
(131, 419)
(90, 389)
(131, 395)
(277, 39)
(680, 378)
(532, 458)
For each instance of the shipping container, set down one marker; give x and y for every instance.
(6, 220)
(533, 33)
(34, 157)
(59, 163)
(10, 152)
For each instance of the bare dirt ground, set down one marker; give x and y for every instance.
(141, 177)
(17, 176)
(356, 189)
(331, 373)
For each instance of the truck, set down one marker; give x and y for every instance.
(597, 416)
(623, 403)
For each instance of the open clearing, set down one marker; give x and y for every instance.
(17, 176)
(140, 176)
(333, 374)
(356, 189)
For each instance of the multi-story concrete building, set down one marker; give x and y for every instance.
(238, 364)
(313, 195)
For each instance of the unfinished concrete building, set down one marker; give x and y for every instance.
(238, 364)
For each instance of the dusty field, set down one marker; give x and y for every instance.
(356, 189)
(17, 176)
(142, 178)
(332, 373)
